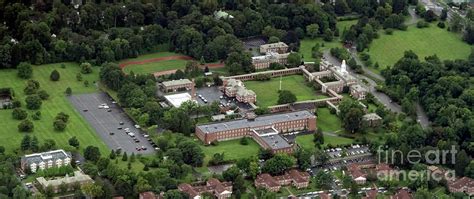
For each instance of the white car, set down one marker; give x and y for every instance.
(137, 126)
(146, 135)
(131, 134)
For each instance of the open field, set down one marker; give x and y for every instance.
(10, 138)
(232, 149)
(307, 43)
(150, 68)
(267, 91)
(328, 122)
(151, 63)
(306, 141)
(388, 49)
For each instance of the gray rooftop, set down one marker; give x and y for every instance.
(275, 141)
(46, 156)
(259, 121)
(176, 82)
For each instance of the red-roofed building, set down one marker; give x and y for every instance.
(402, 194)
(325, 196)
(372, 194)
(268, 182)
(293, 177)
(219, 189)
(147, 195)
(463, 184)
(356, 173)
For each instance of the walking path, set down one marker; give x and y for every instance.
(422, 118)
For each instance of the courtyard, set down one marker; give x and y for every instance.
(267, 91)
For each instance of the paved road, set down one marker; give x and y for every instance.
(422, 118)
(105, 122)
(413, 17)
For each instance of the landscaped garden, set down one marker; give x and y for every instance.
(10, 137)
(267, 91)
(388, 49)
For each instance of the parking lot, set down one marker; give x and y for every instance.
(111, 123)
(213, 94)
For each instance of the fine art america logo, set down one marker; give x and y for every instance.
(430, 157)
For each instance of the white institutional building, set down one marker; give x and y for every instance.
(45, 160)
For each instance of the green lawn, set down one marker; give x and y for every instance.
(306, 141)
(307, 43)
(328, 122)
(232, 149)
(388, 49)
(267, 91)
(57, 102)
(156, 66)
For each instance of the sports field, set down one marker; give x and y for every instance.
(267, 91)
(388, 49)
(155, 62)
(10, 138)
(232, 149)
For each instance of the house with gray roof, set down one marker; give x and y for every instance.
(45, 160)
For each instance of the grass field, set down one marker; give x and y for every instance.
(267, 91)
(156, 66)
(306, 141)
(388, 49)
(307, 43)
(149, 68)
(10, 138)
(327, 121)
(232, 150)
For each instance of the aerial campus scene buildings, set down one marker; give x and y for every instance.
(237, 99)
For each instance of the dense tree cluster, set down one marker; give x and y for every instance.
(445, 91)
(100, 32)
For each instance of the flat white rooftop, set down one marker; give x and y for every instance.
(177, 99)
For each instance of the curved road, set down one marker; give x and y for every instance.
(422, 118)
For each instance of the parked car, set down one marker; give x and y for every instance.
(131, 134)
(137, 126)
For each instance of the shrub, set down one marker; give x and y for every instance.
(79, 77)
(389, 31)
(63, 65)
(441, 25)
(43, 94)
(62, 116)
(31, 87)
(86, 83)
(244, 141)
(16, 103)
(33, 102)
(25, 126)
(19, 114)
(54, 76)
(59, 125)
(422, 24)
(86, 68)
(37, 115)
(25, 71)
(68, 91)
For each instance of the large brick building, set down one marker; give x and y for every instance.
(463, 184)
(292, 177)
(264, 61)
(279, 47)
(264, 129)
(213, 186)
(177, 85)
